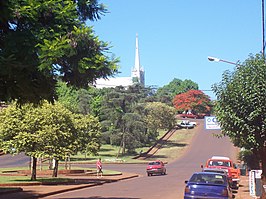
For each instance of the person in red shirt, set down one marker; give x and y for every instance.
(99, 168)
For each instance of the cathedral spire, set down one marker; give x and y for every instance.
(137, 61)
(137, 73)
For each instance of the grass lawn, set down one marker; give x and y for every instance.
(170, 151)
(176, 146)
(108, 154)
(6, 178)
(22, 179)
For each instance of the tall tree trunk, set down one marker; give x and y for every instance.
(118, 153)
(124, 144)
(50, 163)
(67, 163)
(66, 166)
(33, 168)
(55, 172)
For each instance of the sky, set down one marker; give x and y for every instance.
(176, 37)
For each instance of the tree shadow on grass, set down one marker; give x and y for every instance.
(169, 144)
(158, 156)
(107, 155)
(106, 150)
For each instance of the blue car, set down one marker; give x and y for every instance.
(208, 185)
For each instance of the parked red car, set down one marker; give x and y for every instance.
(220, 162)
(156, 167)
(191, 115)
(188, 115)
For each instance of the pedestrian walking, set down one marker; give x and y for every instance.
(99, 168)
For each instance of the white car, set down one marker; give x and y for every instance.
(186, 124)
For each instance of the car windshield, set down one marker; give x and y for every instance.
(219, 163)
(208, 178)
(154, 163)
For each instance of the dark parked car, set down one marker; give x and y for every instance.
(222, 171)
(208, 185)
(156, 167)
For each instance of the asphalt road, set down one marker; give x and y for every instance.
(19, 160)
(170, 186)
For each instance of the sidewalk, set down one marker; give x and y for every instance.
(36, 191)
(243, 190)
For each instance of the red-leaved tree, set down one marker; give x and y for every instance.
(194, 100)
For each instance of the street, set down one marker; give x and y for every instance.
(203, 146)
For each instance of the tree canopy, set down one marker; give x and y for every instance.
(166, 93)
(241, 106)
(131, 119)
(48, 130)
(43, 41)
(194, 100)
(121, 124)
(159, 116)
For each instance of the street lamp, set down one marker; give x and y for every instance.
(221, 60)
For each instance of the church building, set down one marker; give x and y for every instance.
(137, 75)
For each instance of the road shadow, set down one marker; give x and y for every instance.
(99, 197)
(17, 194)
(29, 194)
(81, 159)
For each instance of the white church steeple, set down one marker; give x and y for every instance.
(137, 72)
(137, 61)
(137, 75)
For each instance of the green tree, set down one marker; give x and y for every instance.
(41, 42)
(241, 106)
(65, 134)
(118, 106)
(58, 133)
(19, 132)
(47, 130)
(67, 96)
(88, 133)
(133, 132)
(166, 93)
(159, 116)
(84, 101)
(116, 103)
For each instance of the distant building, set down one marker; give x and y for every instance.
(137, 75)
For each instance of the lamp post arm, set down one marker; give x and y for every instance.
(221, 60)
